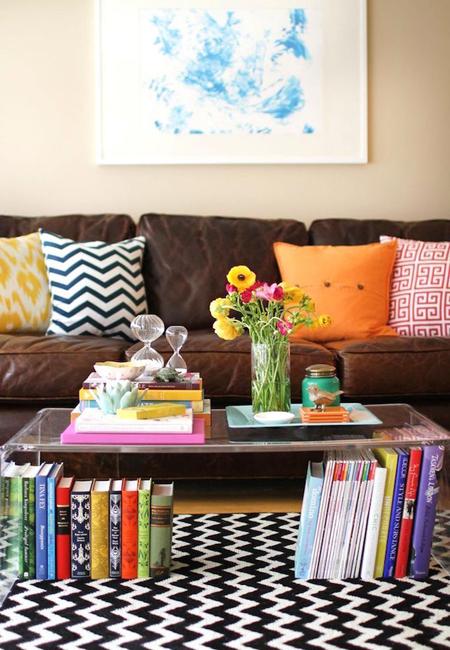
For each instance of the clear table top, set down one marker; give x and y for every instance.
(401, 426)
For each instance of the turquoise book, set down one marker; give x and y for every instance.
(308, 519)
(41, 521)
(52, 482)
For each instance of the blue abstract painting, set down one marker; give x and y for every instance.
(234, 71)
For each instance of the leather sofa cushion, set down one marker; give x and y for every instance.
(51, 367)
(188, 257)
(354, 231)
(225, 365)
(102, 227)
(394, 365)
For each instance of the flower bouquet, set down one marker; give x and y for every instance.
(270, 312)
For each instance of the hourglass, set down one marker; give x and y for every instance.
(147, 328)
(176, 336)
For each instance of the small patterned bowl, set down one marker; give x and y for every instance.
(128, 370)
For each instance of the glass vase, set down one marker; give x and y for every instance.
(271, 386)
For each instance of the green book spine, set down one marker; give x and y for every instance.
(28, 555)
(161, 530)
(14, 549)
(4, 509)
(143, 533)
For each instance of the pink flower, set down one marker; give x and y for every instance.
(284, 327)
(269, 292)
(230, 288)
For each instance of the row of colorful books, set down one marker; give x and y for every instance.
(57, 527)
(190, 422)
(369, 514)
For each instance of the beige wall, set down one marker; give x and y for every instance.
(47, 163)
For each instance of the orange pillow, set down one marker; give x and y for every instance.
(349, 283)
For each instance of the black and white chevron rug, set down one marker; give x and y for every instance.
(231, 586)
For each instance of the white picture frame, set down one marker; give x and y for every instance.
(213, 82)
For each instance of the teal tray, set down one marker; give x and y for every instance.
(239, 417)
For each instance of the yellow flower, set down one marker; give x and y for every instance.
(323, 320)
(241, 277)
(220, 308)
(227, 329)
(292, 293)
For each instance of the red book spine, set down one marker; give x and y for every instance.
(406, 527)
(63, 554)
(129, 533)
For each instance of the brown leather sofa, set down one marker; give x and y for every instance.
(185, 264)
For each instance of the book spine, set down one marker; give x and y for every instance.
(63, 550)
(308, 524)
(41, 528)
(152, 395)
(129, 534)
(28, 529)
(143, 534)
(396, 516)
(197, 406)
(4, 505)
(99, 535)
(14, 549)
(426, 511)
(373, 524)
(391, 465)
(51, 528)
(161, 515)
(80, 533)
(115, 536)
(404, 542)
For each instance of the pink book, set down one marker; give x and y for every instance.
(197, 437)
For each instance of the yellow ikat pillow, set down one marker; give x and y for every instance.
(24, 292)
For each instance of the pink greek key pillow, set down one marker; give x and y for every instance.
(420, 288)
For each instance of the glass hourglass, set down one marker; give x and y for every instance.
(176, 336)
(147, 328)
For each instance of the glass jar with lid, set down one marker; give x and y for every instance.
(324, 377)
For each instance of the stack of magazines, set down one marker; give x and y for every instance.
(369, 514)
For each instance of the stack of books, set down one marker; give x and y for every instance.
(56, 527)
(369, 514)
(90, 426)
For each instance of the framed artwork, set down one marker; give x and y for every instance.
(211, 81)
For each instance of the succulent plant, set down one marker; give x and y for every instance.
(116, 395)
(168, 374)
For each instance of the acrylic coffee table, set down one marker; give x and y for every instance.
(401, 426)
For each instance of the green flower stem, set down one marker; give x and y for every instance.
(270, 374)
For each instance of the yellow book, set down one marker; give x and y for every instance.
(388, 459)
(151, 411)
(153, 395)
(99, 529)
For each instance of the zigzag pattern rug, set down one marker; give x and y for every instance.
(231, 587)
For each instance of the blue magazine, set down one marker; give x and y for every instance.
(395, 521)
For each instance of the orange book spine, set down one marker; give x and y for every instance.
(129, 534)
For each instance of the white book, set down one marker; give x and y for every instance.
(329, 521)
(362, 519)
(339, 549)
(341, 506)
(348, 526)
(364, 515)
(94, 421)
(324, 503)
(373, 524)
(356, 519)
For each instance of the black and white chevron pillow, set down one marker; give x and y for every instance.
(96, 288)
